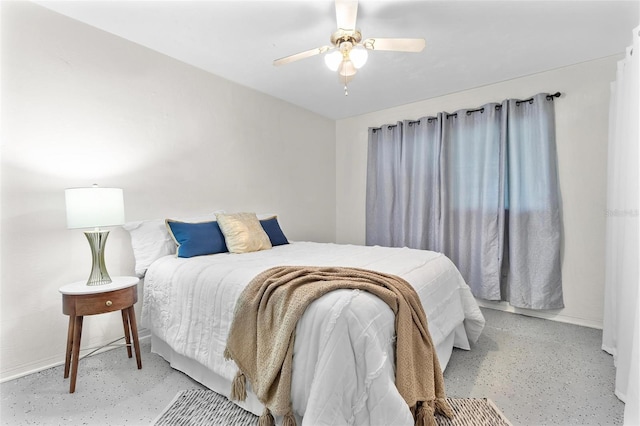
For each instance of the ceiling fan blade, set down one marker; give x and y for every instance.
(346, 13)
(395, 44)
(301, 55)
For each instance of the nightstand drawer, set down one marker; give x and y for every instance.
(99, 303)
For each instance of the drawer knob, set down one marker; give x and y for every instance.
(108, 303)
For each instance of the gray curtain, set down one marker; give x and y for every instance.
(472, 197)
(420, 186)
(480, 186)
(402, 184)
(384, 216)
(535, 227)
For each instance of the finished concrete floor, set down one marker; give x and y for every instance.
(538, 372)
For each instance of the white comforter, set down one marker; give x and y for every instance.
(343, 370)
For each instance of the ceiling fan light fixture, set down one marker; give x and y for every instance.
(348, 51)
(358, 56)
(333, 60)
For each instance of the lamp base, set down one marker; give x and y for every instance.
(97, 240)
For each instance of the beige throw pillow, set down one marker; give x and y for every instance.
(243, 232)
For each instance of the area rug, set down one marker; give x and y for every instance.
(200, 407)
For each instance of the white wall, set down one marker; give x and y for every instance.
(581, 130)
(81, 106)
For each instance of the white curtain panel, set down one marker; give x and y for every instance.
(621, 323)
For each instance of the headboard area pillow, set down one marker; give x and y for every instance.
(243, 232)
(273, 230)
(150, 240)
(197, 239)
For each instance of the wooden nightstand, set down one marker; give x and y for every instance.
(79, 299)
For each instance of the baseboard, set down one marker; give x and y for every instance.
(550, 315)
(25, 370)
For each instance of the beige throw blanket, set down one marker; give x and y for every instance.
(262, 336)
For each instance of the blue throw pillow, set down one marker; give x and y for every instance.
(272, 228)
(197, 239)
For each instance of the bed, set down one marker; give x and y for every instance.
(346, 337)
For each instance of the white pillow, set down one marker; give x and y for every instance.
(150, 240)
(243, 232)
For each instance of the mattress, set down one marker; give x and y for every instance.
(343, 370)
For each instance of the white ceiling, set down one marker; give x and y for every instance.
(469, 43)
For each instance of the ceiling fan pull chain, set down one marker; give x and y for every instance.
(346, 92)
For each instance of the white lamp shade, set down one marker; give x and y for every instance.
(358, 56)
(347, 70)
(333, 60)
(94, 207)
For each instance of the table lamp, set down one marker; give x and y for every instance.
(92, 208)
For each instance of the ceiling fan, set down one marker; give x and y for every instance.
(348, 51)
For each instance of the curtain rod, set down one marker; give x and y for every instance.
(549, 98)
(471, 111)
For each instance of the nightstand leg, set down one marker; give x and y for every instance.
(75, 356)
(67, 360)
(134, 334)
(127, 326)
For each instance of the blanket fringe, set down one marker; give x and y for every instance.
(227, 354)
(443, 407)
(425, 415)
(266, 419)
(289, 419)
(239, 387)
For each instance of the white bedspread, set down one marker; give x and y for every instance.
(343, 370)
